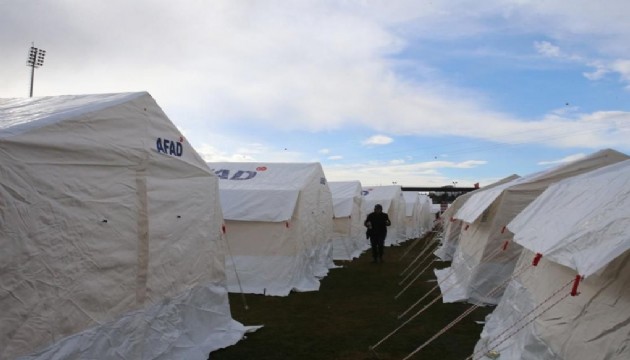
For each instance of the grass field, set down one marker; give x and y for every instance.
(354, 309)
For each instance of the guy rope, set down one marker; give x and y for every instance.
(490, 293)
(424, 250)
(504, 335)
(474, 307)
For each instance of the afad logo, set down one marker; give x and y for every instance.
(170, 147)
(224, 174)
(365, 192)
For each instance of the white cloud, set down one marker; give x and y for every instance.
(547, 49)
(378, 140)
(623, 68)
(245, 153)
(324, 151)
(335, 157)
(309, 65)
(600, 70)
(414, 174)
(210, 153)
(600, 67)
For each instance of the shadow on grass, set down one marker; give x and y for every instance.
(354, 309)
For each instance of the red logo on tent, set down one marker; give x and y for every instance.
(261, 168)
(181, 139)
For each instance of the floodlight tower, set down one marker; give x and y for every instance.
(35, 60)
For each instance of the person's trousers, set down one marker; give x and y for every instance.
(378, 245)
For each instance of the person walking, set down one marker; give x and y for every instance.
(376, 224)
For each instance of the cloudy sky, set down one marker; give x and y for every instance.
(418, 93)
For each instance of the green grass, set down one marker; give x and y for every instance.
(354, 309)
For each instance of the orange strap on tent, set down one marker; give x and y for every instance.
(576, 283)
(503, 230)
(286, 224)
(223, 228)
(536, 259)
(452, 219)
(467, 225)
(505, 244)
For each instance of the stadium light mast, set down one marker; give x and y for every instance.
(35, 60)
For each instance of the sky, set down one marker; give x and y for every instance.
(408, 92)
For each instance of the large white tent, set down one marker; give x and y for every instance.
(348, 231)
(452, 227)
(413, 212)
(279, 220)
(482, 261)
(580, 228)
(110, 230)
(391, 198)
(427, 217)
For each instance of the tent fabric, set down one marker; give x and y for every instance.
(391, 198)
(452, 227)
(101, 234)
(413, 214)
(279, 224)
(592, 325)
(595, 229)
(479, 263)
(481, 201)
(248, 204)
(348, 231)
(426, 216)
(568, 224)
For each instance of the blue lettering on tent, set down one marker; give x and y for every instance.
(243, 175)
(364, 192)
(169, 147)
(224, 174)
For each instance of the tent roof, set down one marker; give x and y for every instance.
(461, 200)
(383, 195)
(19, 115)
(479, 202)
(266, 175)
(343, 194)
(94, 128)
(411, 199)
(263, 191)
(581, 222)
(254, 205)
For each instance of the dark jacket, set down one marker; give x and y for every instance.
(380, 222)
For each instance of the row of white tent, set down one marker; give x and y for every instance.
(551, 251)
(286, 223)
(119, 241)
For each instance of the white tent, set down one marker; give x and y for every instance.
(348, 231)
(110, 230)
(579, 226)
(426, 216)
(452, 227)
(279, 220)
(413, 214)
(481, 264)
(391, 198)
